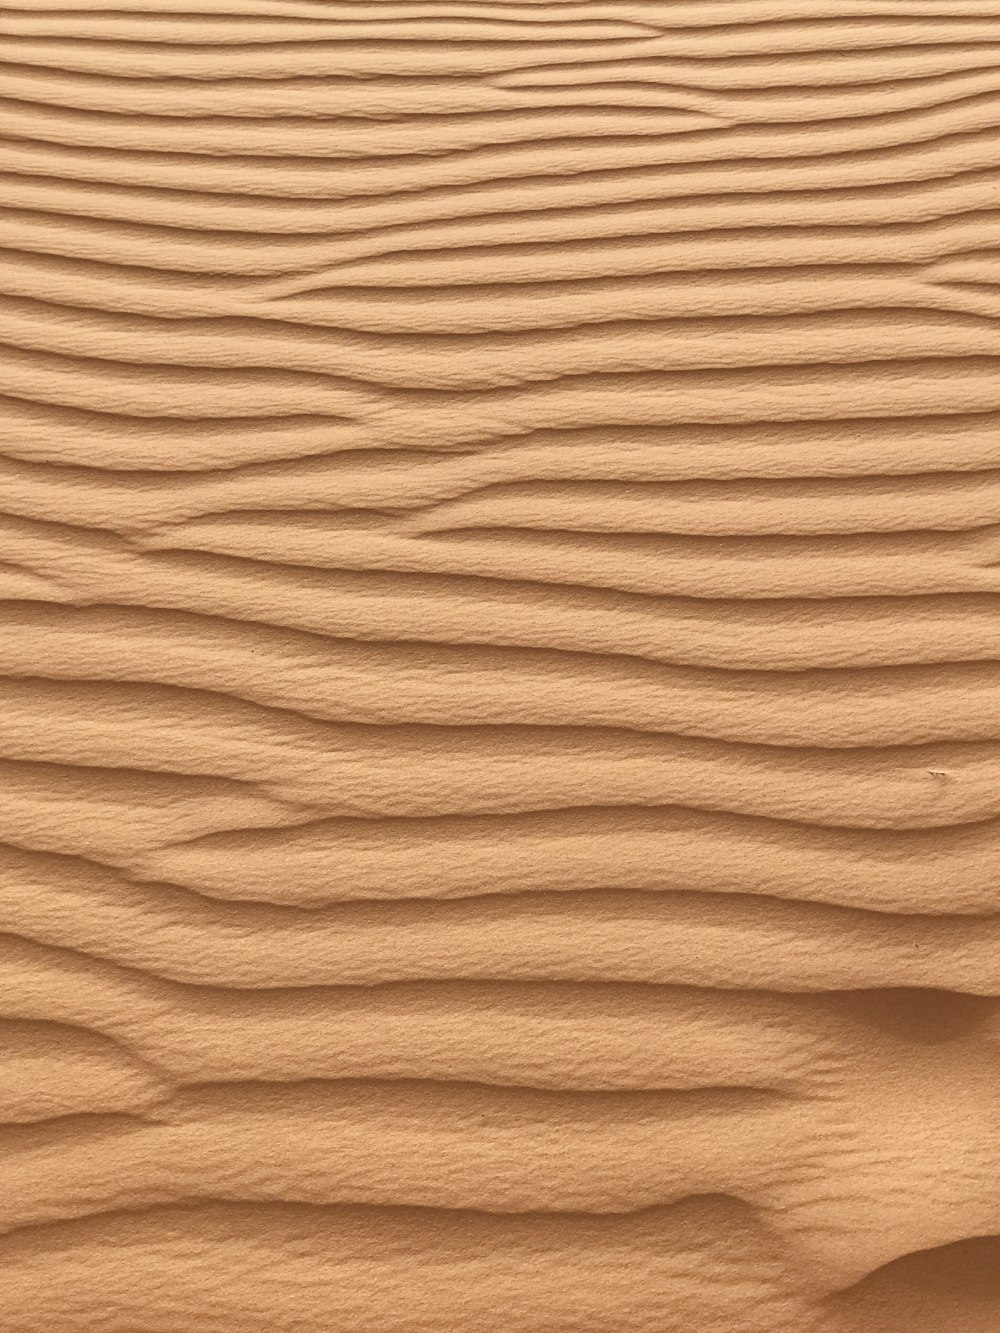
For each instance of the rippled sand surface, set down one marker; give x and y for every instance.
(500, 650)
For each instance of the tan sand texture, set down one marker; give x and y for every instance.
(500, 651)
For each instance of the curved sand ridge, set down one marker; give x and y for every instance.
(501, 656)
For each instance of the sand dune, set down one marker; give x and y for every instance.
(500, 661)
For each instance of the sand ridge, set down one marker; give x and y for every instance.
(499, 659)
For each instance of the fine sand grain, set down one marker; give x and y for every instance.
(500, 666)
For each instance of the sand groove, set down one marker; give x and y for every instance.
(499, 658)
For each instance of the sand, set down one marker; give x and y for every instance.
(500, 652)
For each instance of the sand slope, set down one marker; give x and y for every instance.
(500, 657)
